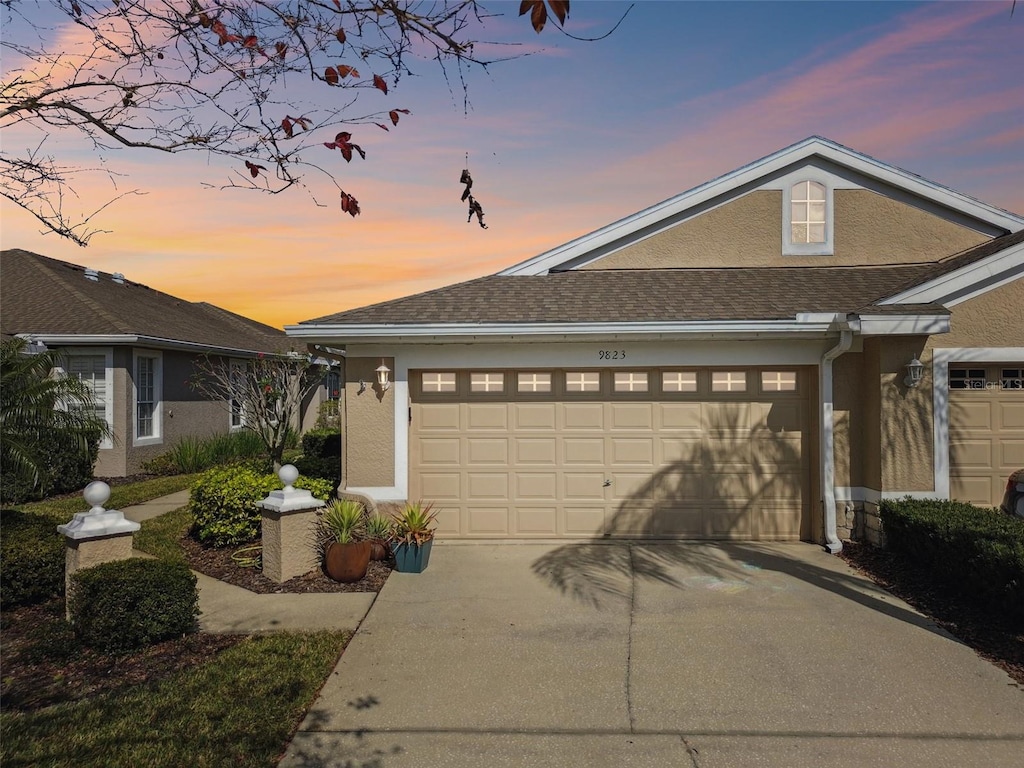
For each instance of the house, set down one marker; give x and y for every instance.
(136, 347)
(763, 357)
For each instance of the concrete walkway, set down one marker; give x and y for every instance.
(685, 654)
(227, 609)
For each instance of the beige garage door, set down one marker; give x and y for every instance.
(650, 452)
(986, 430)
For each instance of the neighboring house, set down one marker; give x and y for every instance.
(136, 347)
(731, 363)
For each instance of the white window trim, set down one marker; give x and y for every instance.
(157, 437)
(789, 248)
(108, 374)
(244, 365)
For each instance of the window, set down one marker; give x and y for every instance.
(147, 396)
(807, 213)
(439, 382)
(236, 397)
(582, 381)
(332, 382)
(679, 381)
(487, 382)
(967, 378)
(728, 381)
(630, 382)
(1012, 378)
(95, 369)
(534, 382)
(778, 381)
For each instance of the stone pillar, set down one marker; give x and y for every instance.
(97, 536)
(289, 529)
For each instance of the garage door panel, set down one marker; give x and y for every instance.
(532, 486)
(685, 521)
(781, 451)
(434, 417)
(973, 414)
(536, 521)
(1011, 454)
(583, 486)
(487, 416)
(729, 522)
(584, 521)
(682, 417)
(632, 450)
(487, 485)
(488, 521)
(441, 486)
(1011, 415)
(778, 523)
(976, 489)
(972, 453)
(677, 486)
(632, 416)
(726, 485)
(536, 450)
(439, 451)
(588, 416)
(631, 519)
(681, 451)
(722, 451)
(777, 417)
(635, 486)
(584, 450)
(535, 416)
(492, 450)
(449, 521)
(779, 485)
(725, 417)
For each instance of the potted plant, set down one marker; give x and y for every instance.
(412, 534)
(378, 532)
(347, 554)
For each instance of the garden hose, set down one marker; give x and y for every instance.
(246, 560)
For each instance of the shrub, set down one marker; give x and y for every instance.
(31, 559)
(977, 552)
(194, 454)
(65, 467)
(223, 503)
(128, 604)
(321, 455)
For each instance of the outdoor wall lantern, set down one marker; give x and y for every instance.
(915, 369)
(382, 377)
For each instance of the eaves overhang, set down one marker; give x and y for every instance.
(867, 324)
(119, 339)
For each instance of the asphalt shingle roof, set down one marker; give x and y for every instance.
(653, 295)
(46, 296)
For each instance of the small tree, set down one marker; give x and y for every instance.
(39, 405)
(267, 392)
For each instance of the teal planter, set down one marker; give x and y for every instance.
(411, 558)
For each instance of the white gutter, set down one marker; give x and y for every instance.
(106, 339)
(827, 448)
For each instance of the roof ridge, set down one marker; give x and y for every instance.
(70, 288)
(795, 267)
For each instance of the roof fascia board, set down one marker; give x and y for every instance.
(903, 325)
(730, 182)
(968, 281)
(148, 341)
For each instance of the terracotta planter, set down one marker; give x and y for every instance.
(347, 562)
(378, 549)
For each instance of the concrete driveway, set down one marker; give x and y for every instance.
(670, 654)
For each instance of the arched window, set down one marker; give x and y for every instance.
(807, 213)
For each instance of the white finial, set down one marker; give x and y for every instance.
(288, 474)
(96, 494)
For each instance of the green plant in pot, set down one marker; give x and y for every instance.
(378, 531)
(347, 553)
(412, 534)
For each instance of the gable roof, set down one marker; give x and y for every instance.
(48, 298)
(995, 221)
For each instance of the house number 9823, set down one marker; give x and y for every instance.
(611, 354)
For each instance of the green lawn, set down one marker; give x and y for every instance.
(159, 536)
(238, 709)
(63, 509)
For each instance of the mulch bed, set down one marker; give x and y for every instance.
(44, 664)
(219, 564)
(988, 635)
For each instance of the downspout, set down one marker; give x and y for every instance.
(337, 356)
(827, 445)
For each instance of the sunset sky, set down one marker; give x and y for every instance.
(570, 138)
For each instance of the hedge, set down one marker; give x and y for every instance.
(975, 551)
(125, 605)
(223, 503)
(31, 559)
(321, 455)
(64, 467)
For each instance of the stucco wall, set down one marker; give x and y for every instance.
(369, 438)
(906, 425)
(994, 319)
(869, 229)
(112, 462)
(848, 416)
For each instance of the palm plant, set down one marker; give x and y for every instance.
(378, 527)
(343, 519)
(415, 524)
(35, 405)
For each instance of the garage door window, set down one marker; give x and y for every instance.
(679, 381)
(729, 381)
(631, 381)
(1012, 379)
(487, 382)
(778, 381)
(582, 381)
(967, 378)
(534, 382)
(439, 382)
